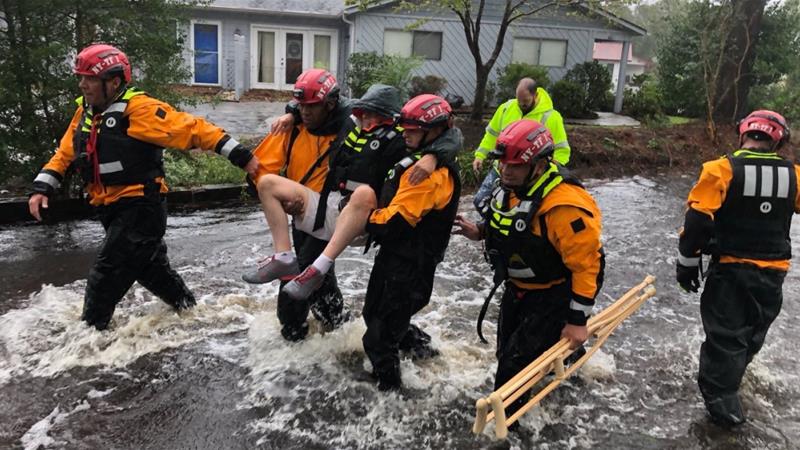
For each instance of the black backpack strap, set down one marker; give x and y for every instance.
(289, 147)
(322, 207)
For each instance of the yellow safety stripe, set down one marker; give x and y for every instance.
(543, 178)
(751, 154)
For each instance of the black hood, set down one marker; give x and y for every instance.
(381, 99)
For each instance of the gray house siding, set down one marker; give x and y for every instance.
(242, 21)
(457, 65)
(575, 25)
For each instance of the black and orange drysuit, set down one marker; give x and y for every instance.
(739, 211)
(302, 156)
(412, 226)
(119, 154)
(544, 242)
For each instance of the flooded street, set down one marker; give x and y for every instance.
(221, 376)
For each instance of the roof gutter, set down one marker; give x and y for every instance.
(352, 32)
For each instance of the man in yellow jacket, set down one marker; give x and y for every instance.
(739, 211)
(116, 141)
(542, 233)
(533, 103)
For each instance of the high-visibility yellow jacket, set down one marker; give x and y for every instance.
(542, 112)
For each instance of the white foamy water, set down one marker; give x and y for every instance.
(47, 337)
(37, 436)
(638, 391)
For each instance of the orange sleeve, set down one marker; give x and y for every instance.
(65, 152)
(576, 236)
(158, 123)
(271, 154)
(797, 197)
(413, 202)
(708, 194)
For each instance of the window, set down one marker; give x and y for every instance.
(426, 44)
(205, 43)
(322, 51)
(539, 52)
(397, 43)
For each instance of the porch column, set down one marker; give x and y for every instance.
(238, 64)
(623, 66)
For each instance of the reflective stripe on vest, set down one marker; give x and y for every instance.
(503, 220)
(767, 176)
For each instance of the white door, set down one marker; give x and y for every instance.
(279, 55)
(264, 49)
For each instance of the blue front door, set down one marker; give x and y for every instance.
(206, 54)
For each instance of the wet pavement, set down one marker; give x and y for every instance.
(221, 376)
(240, 119)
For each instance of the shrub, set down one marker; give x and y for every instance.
(196, 168)
(596, 81)
(569, 98)
(645, 104)
(509, 76)
(429, 84)
(366, 69)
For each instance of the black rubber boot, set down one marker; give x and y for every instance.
(388, 379)
(726, 411)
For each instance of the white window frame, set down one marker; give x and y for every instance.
(539, 55)
(411, 50)
(218, 23)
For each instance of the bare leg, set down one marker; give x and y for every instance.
(273, 190)
(351, 221)
(349, 225)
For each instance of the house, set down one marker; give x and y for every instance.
(609, 54)
(264, 44)
(250, 44)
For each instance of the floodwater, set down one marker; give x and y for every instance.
(221, 376)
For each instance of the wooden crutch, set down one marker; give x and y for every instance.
(600, 326)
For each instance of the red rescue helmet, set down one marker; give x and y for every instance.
(764, 125)
(315, 86)
(104, 61)
(523, 142)
(426, 111)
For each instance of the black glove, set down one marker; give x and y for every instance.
(688, 277)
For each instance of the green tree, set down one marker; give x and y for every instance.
(38, 42)
(712, 53)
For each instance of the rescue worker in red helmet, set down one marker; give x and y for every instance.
(116, 140)
(542, 234)
(740, 212)
(412, 226)
(301, 156)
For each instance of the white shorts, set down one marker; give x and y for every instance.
(305, 222)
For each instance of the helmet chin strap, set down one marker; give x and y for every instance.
(531, 178)
(117, 94)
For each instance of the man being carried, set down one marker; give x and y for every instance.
(302, 157)
(412, 226)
